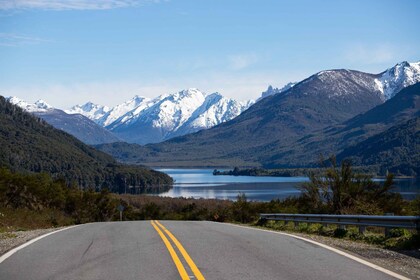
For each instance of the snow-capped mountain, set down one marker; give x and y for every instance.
(89, 110)
(176, 114)
(214, 110)
(77, 125)
(125, 111)
(38, 106)
(394, 79)
(387, 83)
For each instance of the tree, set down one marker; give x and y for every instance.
(338, 190)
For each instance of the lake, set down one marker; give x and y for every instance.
(201, 183)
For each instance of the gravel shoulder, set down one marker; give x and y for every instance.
(406, 262)
(12, 239)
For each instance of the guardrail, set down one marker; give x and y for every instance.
(362, 221)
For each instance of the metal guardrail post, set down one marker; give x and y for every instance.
(387, 229)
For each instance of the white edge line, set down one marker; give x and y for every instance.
(362, 261)
(11, 252)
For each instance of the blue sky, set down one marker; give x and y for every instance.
(74, 51)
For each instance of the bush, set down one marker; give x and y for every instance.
(341, 191)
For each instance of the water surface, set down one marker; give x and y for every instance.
(201, 183)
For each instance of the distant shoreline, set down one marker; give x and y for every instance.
(292, 172)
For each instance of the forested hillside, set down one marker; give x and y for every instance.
(395, 150)
(29, 144)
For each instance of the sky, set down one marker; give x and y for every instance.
(107, 51)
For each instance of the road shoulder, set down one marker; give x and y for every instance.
(406, 263)
(13, 239)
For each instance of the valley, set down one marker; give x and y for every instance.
(148, 139)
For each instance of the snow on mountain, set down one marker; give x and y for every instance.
(37, 107)
(89, 110)
(398, 77)
(176, 114)
(271, 91)
(170, 111)
(215, 109)
(125, 111)
(75, 123)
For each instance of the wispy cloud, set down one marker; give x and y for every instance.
(14, 40)
(242, 61)
(71, 4)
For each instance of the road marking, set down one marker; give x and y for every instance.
(184, 253)
(11, 252)
(177, 261)
(362, 261)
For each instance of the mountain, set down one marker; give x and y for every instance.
(143, 120)
(29, 144)
(123, 111)
(77, 125)
(175, 114)
(398, 77)
(89, 110)
(38, 106)
(403, 107)
(324, 99)
(396, 150)
(271, 132)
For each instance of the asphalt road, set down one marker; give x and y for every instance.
(136, 250)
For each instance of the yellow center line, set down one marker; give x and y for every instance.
(184, 253)
(179, 266)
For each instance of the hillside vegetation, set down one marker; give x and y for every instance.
(29, 144)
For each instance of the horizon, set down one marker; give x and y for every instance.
(204, 92)
(106, 52)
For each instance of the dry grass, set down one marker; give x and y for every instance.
(25, 219)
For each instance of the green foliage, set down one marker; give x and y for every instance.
(241, 209)
(341, 191)
(28, 144)
(395, 150)
(39, 192)
(414, 206)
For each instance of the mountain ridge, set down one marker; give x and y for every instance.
(144, 120)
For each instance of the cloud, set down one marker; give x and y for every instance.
(242, 61)
(14, 40)
(60, 5)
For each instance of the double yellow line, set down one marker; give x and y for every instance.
(182, 272)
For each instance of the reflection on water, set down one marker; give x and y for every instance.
(253, 191)
(200, 183)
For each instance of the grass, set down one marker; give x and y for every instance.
(24, 219)
(7, 235)
(398, 239)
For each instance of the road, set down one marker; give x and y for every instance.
(138, 250)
